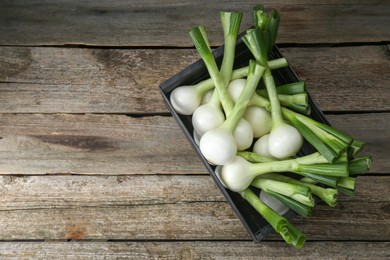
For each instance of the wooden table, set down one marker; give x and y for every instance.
(93, 165)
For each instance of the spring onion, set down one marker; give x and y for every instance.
(328, 195)
(277, 195)
(284, 140)
(299, 193)
(210, 116)
(242, 132)
(239, 173)
(289, 233)
(218, 145)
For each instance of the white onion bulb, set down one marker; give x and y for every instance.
(207, 97)
(260, 120)
(243, 134)
(235, 88)
(207, 117)
(261, 146)
(218, 146)
(236, 174)
(185, 99)
(284, 141)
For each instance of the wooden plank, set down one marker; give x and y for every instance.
(118, 144)
(137, 23)
(75, 80)
(344, 79)
(167, 208)
(366, 127)
(94, 144)
(77, 191)
(193, 250)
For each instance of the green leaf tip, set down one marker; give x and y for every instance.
(231, 22)
(199, 38)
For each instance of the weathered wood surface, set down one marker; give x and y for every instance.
(167, 208)
(166, 23)
(193, 250)
(73, 80)
(119, 144)
(75, 167)
(94, 144)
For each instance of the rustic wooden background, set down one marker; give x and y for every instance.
(93, 165)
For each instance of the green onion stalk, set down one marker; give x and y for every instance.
(296, 102)
(344, 184)
(310, 179)
(284, 140)
(289, 96)
(330, 142)
(297, 192)
(293, 96)
(230, 23)
(297, 197)
(286, 89)
(201, 43)
(328, 195)
(281, 225)
(210, 116)
(360, 165)
(239, 173)
(355, 147)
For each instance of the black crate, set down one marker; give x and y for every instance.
(255, 224)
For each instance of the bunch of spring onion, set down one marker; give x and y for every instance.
(252, 129)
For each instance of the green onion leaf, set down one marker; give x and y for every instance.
(337, 170)
(316, 142)
(360, 165)
(331, 181)
(294, 205)
(289, 233)
(347, 182)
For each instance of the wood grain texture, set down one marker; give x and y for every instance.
(122, 145)
(94, 144)
(90, 168)
(193, 250)
(345, 78)
(166, 23)
(66, 191)
(167, 208)
(74, 80)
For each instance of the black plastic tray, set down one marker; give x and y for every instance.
(256, 226)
